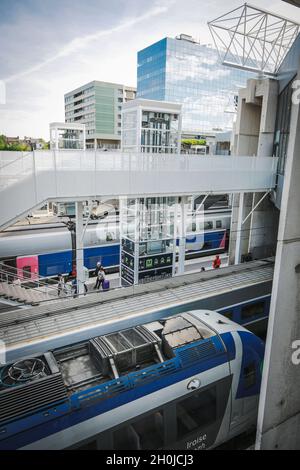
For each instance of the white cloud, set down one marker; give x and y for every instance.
(35, 94)
(81, 42)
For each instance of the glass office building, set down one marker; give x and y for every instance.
(181, 70)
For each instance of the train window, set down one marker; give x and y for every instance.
(208, 225)
(249, 375)
(252, 310)
(207, 245)
(196, 411)
(219, 224)
(26, 272)
(228, 314)
(146, 433)
(192, 227)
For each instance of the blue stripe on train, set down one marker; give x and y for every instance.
(212, 240)
(252, 363)
(52, 264)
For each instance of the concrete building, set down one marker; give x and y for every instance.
(182, 70)
(150, 126)
(279, 412)
(254, 135)
(98, 106)
(223, 143)
(268, 125)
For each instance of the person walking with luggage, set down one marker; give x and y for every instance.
(100, 278)
(217, 262)
(105, 283)
(98, 267)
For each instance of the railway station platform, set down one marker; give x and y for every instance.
(43, 328)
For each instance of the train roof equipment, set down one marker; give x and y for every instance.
(36, 389)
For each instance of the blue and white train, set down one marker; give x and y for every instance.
(46, 250)
(190, 381)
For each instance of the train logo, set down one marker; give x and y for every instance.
(193, 384)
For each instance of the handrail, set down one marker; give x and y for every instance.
(36, 286)
(14, 272)
(17, 159)
(12, 269)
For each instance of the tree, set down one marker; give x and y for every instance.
(2, 142)
(21, 147)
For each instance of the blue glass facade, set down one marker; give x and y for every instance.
(182, 71)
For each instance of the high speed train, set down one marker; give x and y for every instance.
(46, 249)
(189, 381)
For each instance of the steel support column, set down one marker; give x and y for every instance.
(79, 248)
(182, 234)
(238, 247)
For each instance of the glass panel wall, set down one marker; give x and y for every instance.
(189, 73)
(159, 133)
(283, 126)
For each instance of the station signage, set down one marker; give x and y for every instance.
(127, 275)
(155, 262)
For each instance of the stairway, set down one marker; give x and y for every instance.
(21, 294)
(24, 290)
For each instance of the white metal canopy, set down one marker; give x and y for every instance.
(253, 39)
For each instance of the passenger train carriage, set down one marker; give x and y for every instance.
(186, 382)
(46, 249)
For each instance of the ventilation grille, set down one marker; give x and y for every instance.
(197, 353)
(17, 402)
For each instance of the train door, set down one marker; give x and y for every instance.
(28, 267)
(200, 419)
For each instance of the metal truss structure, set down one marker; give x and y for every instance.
(296, 3)
(253, 39)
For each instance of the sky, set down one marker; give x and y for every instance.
(50, 47)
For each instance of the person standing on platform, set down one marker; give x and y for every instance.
(100, 278)
(74, 287)
(98, 267)
(61, 286)
(217, 262)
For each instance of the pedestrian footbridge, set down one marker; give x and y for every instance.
(32, 179)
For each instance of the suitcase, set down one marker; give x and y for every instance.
(105, 284)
